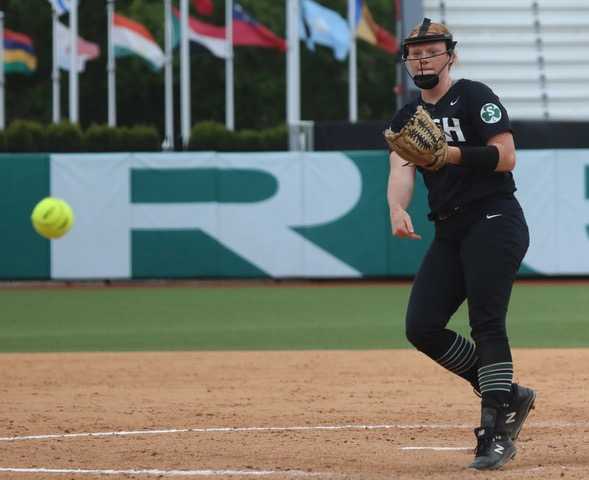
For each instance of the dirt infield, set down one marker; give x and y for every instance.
(309, 414)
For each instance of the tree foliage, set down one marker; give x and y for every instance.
(260, 74)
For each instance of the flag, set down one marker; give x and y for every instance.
(60, 6)
(325, 27)
(203, 7)
(86, 50)
(369, 31)
(248, 31)
(132, 38)
(19, 55)
(207, 35)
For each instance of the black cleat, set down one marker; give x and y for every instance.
(494, 447)
(517, 411)
(493, 450)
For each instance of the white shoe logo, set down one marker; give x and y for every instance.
(489, 217)
(453, 102)
(511, 417)
(499, 449)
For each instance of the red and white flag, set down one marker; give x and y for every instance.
(209, 36)
(86, 50)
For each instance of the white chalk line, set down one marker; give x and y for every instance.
(164, 473)
(443, 426)
(222, 430)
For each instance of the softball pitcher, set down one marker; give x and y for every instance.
(457, 135)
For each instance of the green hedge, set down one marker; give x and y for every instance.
(214, 136)
(102, 138)
(64, 137)
(24, 136)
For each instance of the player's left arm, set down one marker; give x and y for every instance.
(490, 119)
(504, 143)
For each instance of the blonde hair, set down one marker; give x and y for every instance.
(434, 29)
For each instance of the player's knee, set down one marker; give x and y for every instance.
(417, 336)
(493, 335)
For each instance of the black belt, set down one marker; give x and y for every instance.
(445, 214)
(478, 203)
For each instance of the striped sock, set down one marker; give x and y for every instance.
(460, 357)
(496, 378)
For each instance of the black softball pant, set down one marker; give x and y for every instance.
(474, 256)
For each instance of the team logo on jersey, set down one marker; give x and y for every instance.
(490, 113)
(451, 128)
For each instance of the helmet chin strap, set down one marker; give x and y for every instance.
(421, 80)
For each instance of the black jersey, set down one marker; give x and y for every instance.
(470, 114)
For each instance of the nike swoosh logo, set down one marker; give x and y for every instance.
(453, 102)
(489, 217)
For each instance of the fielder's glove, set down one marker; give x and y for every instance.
(420, 142)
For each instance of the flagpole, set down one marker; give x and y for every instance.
(169, 79)
(55, 74)
(2, 78)
(74, 111)
(111, 66)
(353, 70)
(184, 74)
(229, 77)
(293, 85)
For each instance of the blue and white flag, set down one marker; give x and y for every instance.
(60, 6)
(325, 27)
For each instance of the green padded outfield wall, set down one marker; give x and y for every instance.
(24, 180)
(256, 215)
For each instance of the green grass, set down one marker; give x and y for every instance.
(260, 318)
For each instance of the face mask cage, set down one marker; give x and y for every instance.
(422, 37)
(417, 59)
(426, 81)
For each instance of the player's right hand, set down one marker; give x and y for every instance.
(402, 225)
